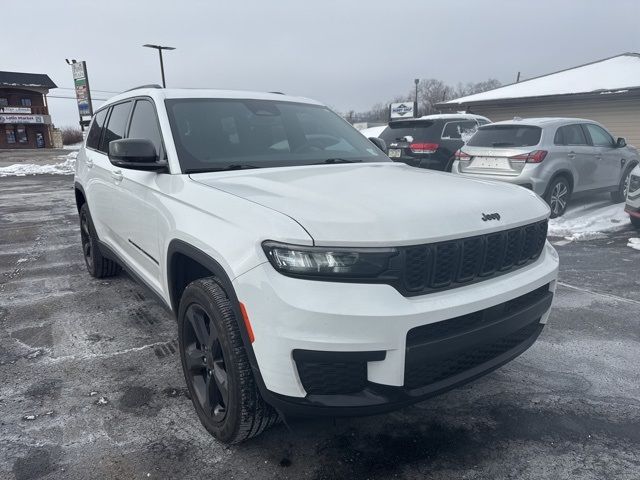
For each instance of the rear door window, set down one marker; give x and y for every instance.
(570, 135)
(420, 131)
(456, 130)
(506, 136)
(95, 132)
(115, 125)
(599, 136)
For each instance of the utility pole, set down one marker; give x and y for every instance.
(160, 48)
(518, 78)
(415, 108)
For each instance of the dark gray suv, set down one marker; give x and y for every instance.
(558, 158)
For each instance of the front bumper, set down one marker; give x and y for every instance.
(375, 344)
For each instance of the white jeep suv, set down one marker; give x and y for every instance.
(309, 274)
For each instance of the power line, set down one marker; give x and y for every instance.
(93, 90)
(74, 98)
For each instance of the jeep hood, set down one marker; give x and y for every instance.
(375, 204)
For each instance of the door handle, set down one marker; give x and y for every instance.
(571, 155)
(116, 175)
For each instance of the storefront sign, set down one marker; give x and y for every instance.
(15, 110)
(81, 82)
(401, 110)
(21, 119)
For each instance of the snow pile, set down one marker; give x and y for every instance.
(589, 221)
(634, 243)
(67, 167)
(373, 131)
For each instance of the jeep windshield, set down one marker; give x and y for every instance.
(231, 134)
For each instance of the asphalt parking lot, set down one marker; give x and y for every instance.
(91, 385)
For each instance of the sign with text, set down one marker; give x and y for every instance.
(15, 110)
(21, 119)
(81, 83)
(401, 110)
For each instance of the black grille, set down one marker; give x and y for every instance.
(332, 378)
(455, 263)
(421, 373)
(444, 349)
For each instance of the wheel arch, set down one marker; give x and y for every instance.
(81, 197)
(566, 173)
(198, 264)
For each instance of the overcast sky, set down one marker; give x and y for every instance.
(344, 53)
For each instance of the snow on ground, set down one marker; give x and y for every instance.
(66, 167)
(373, 131)
(75, 146)
(589, 220)
(634, 243)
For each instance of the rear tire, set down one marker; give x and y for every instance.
(635, 221)
(97, 265)
(558, 196)
(216, 367)
(620, 195)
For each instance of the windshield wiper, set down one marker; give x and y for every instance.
(337, 160)
(235, 166)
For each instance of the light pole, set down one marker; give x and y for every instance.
(160, 48)
(415, 110)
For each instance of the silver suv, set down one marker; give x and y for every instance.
(558, 158)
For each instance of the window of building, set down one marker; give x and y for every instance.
(4, 102)
(599, 137)
(10, 134)
(21, 134)
(25, 102)
(144, 124)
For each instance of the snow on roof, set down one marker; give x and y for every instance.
(608, 76)
(20, 79)
(443, 116)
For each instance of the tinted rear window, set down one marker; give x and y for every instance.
(506, 136)
(420, 131)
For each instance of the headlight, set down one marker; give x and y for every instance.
(354, 263)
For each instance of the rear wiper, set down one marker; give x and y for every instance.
(337, 160)
(235, 166)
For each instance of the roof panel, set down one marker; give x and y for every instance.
(19, 79)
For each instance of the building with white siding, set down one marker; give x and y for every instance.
(607, 91)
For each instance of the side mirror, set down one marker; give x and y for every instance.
(621, 142)
(135, 154)
(380, 143)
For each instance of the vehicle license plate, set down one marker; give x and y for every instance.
(395, 153)
(490, 162)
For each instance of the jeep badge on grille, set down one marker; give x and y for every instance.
(490, 216)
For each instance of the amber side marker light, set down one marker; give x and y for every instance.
(247, 324)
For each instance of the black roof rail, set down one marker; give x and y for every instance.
(150, 85)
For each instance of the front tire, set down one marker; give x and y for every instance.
(216, 367)
(558, 195)
(97, 265)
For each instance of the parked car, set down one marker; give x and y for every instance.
(309, 274)
(633, 197)
(430, 141)
(558, 158)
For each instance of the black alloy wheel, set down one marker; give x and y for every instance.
(206, 367)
